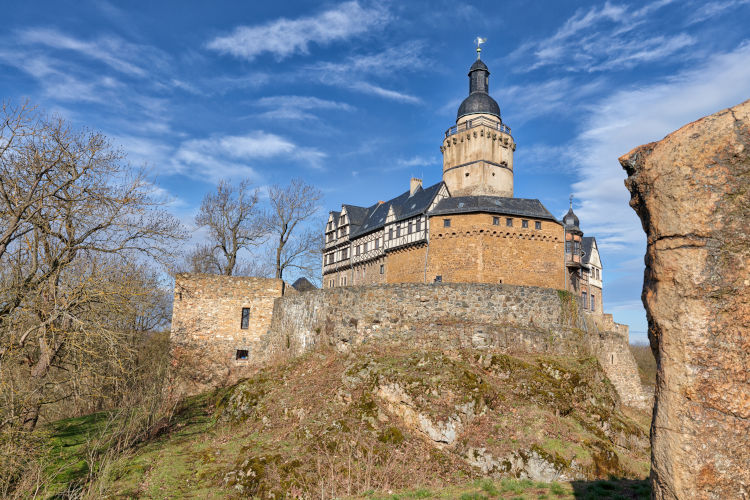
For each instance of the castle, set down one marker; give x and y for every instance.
(460, 264)
(468, 228)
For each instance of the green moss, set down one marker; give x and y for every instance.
(391, 435)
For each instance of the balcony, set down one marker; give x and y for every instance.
(477, 122)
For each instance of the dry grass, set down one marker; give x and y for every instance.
(646, 363)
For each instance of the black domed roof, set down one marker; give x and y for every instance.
(479, 64)
(571, 219)
(478, 102)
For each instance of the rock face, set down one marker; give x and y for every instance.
(692, 193)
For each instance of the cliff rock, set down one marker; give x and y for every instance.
(691, 191)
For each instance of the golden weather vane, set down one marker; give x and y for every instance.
(479, 41)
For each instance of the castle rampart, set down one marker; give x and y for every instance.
(450, 316)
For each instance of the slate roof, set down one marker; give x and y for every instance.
(357, 216)
(493, 204)
(587, 245)
(303, 285)
(404, 206)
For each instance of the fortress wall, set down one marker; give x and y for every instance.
(407, 265)
(450, 316)
(206, 326)
(473, 249)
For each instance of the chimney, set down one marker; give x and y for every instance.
(414, 184)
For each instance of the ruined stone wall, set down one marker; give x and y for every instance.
(691, 191)
(474, 250)
(451, 316)
(206, 326)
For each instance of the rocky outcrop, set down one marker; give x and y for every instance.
(692, 193)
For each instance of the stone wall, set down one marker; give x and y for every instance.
(692, 193)
(406, 265)
(451, 316)
(474, 250)
(206, 326)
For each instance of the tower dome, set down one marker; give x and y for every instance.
(570, 220)
(479, 101)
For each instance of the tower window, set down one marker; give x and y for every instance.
(382, 268)
(496, 221)
(245, 319)
(524, 223)
(446, 223)
(242, 355)
(509, 222)
(537, 225)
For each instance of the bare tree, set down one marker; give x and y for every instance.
(291, 206)
(234, 221)
(74, 221)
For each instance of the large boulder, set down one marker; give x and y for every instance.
(692, 193)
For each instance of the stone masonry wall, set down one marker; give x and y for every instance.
(206, 330)
(473, 250)
(691, 191)
(449, 316)
(406, 265)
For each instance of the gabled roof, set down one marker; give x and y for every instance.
(404, 206)
(303, 285)
(493, 204)
(356, 215)
(588, 243)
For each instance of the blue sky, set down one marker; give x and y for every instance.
(354, 97)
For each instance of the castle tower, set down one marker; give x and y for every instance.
(478, 150)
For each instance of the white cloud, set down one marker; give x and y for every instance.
(603, 38)
(295, 107)
(285, 37)
(710, 10)
(232, 156)
(629, 118)
(357, 72)
(559, 95)
(115, 52)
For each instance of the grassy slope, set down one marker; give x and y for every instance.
(317, 424)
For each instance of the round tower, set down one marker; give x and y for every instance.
(478, 150)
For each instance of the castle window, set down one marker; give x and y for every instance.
(411, 227)
(584, 300)
(496, 221)
(567, 247)
(593, 302)
(377, 243)
(509, 222)
(446, 223)
(524, 223)
(398, 231)
(419, 225)
(390, 233)
(382, 268)
(242, 355)
(343, 280)
(439, 278)
(245, 320)
(537, 225)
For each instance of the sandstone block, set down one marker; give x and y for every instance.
(692, 193)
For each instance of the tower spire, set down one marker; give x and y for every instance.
(571, 202)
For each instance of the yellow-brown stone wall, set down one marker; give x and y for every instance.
(406, 265)
(473, 249)
(206, 325)
(368, 273)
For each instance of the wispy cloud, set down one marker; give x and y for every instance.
(295, 107)
(632, 117)
(603, 38)
(709, 10)
(233, 156)
(558, 95)
(357, 72)
(285, 37)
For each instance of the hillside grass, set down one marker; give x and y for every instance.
(315, 424)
